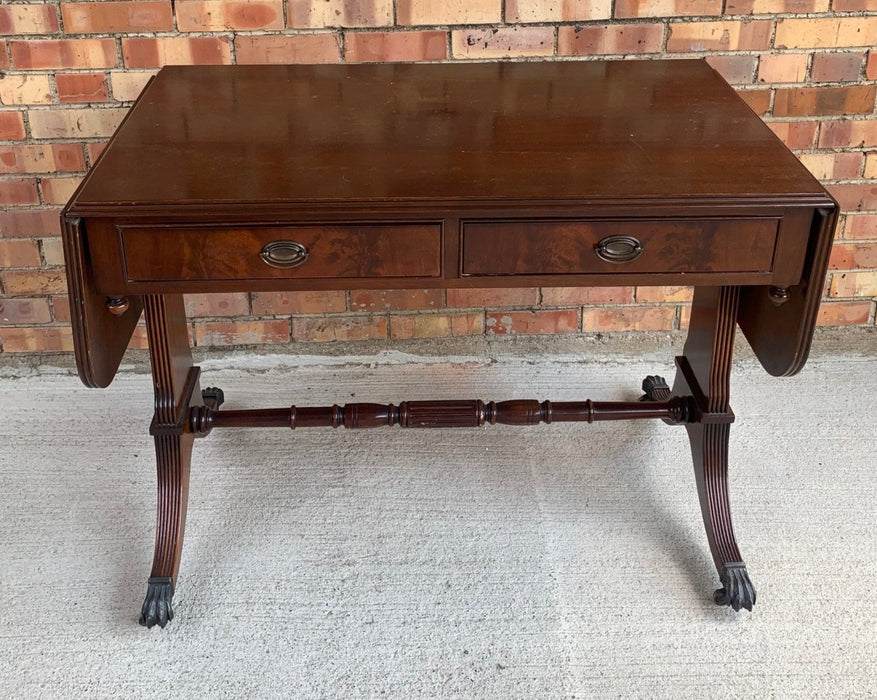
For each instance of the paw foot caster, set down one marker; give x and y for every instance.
(738, 591)
(213, 397)
(655, 388)
(157, 608)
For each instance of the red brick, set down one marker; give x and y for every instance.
(607, 39)
(861, 226)
(11, 126)
(844, 313)
(849, 256)
(496, 298)
(758, 100)
(198, 16)
(19, 254)
(824, 101)
(37, 339)
(116, 17)
(837, 67)
(583, 296)
(847, 133)
(339, 328)
(362, 47)
(19, 19)
(871, 66)
(53, 251)
(59, 190)
(737, 70)
(285, 303)
(395, 299)
(28, 223)
(647, 295)
(23, 282)
(782, 68)
(25, 89)
(833, 166)
(853, 5)
(61, 309)
(241, 333)
(773, 7)
(4, 56)
(533, 322)
(853, 284)
(448, 12)
(64, 53)
(46, 158)
(550, 11)
(19, 191)
(94, 150)
(727, 35)
(282, 49)
(82, 87)
(436, 325)
(499, 42)
(21, 311)
(627, 318)
(825, 32)
(798, 136)
(315, 14)
(140, 52)
(855, 197)
(207, 305)
(667, 8)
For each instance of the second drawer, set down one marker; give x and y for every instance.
(575, 247)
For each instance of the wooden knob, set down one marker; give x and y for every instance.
(779, 295)
(118, 305)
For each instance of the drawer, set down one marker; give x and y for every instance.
(174, 253)
(576, 247)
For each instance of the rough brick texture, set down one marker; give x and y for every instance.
(69, 71)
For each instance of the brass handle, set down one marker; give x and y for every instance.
(618, 249)
(284, 254)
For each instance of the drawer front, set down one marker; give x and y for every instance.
(173, 253)
(601, 247)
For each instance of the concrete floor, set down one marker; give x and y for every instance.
(560, 561)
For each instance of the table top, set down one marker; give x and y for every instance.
(573, 130)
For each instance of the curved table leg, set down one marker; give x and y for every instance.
(709, 451)
(175, 381)
(705, 370)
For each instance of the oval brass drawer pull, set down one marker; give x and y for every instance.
(284, 254)
(618, 249)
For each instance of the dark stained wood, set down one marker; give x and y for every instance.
(175, 382)
(441, 414)
(569, 247)
(257, 178)
(99, 337)
(333, 252)
(705, 373)
(384, 133)
(781, 335)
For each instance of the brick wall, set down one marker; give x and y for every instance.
(70, 70)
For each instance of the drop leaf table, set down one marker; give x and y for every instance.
(460, 175)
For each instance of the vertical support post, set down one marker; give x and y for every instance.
(708, 353)
(175, 382)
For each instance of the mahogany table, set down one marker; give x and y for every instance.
(258, 178)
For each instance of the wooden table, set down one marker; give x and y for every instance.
(257, 178)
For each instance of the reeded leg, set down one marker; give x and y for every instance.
(175, 381)
(709, 451)
(704, 372)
